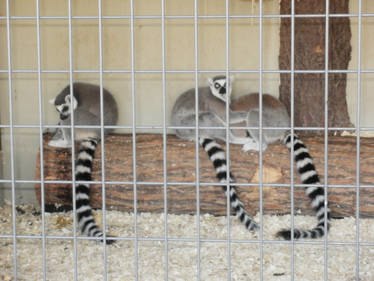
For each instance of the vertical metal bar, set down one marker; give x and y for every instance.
(164, 138)
(136, 241)
(326, 158)
(102, 138)
(75, 255)
(292, 112)
(11, 127)
(228, 202)
(358, 142)
(197, 170)
(260, 145)
(41, 138)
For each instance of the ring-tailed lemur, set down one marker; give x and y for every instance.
(86, 107)
(212, 113)
(274, 114)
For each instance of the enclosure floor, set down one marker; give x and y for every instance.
(309, 259)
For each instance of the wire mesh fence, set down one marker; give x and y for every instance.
(200, 239)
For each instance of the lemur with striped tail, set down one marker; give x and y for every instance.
(212, 113)
(85, 105)
(274, 114)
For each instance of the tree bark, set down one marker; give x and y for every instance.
(181, 197)
(309, 54)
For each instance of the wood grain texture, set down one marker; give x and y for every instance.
(181, 169)
(309, 43)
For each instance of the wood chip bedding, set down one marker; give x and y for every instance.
(182, 255)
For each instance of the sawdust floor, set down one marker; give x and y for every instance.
(182, 256)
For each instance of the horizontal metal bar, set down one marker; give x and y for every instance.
(25, 126)
(191, 240)
(152, 17)
(186, 71)
(181, 183)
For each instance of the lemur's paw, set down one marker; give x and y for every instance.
(252, 145)
(59, 143)
(249, 146)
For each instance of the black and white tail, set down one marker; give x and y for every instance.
(308, 175)
(83, 172)
(217, 156)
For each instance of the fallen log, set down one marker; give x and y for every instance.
(181, 176)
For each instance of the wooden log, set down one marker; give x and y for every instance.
(181, 198)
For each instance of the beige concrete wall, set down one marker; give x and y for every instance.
(179, 47)
(367, 63)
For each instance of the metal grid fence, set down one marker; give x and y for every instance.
(261, 241)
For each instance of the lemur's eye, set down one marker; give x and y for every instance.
(216, 85)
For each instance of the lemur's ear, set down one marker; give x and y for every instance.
(52, 101)
(67, 98)
(232, 78)
(210, 81)
(75, 103)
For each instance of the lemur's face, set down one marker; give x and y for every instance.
(65, 108)
(218, 87)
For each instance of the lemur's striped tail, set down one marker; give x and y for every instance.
(308, 175)
(217, 156)
(83, 172)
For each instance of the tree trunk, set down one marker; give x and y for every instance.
(309, 88)
(181, 198)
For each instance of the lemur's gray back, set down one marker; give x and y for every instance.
(88, 98)
(185, 104)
